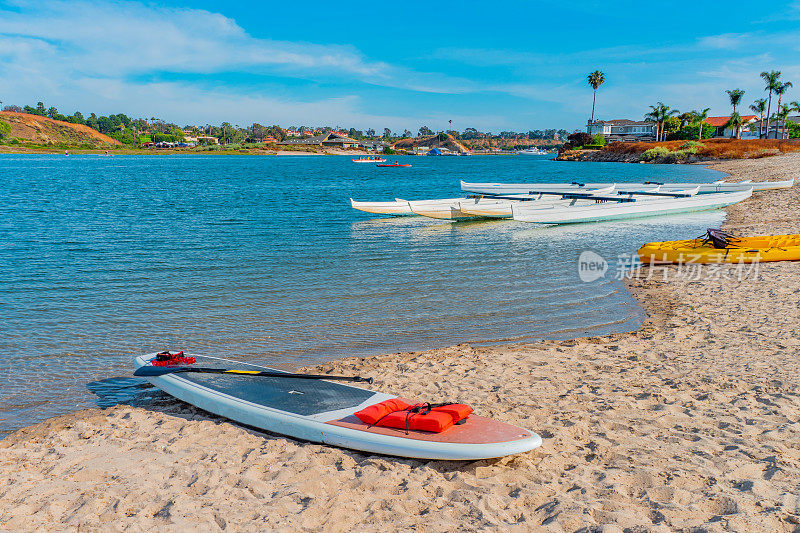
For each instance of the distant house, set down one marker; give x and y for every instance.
(326, 140)
(759, 129)
(376, 146)
(624, 130)
(747, 131)
(270, 140)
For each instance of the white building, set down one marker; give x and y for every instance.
(624, 130)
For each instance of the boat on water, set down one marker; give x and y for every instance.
(719, 247)
(584, 209)
(705, 188)
(502, 208)
(369, 159)
(316, 408)
(532, 151)
(398, 207)
(394, 165)
(463, 207)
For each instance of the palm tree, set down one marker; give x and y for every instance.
(659, 114)
(780, 116)
(700, 116)
(780, 89)
(595, 80)
(759, 106)
(771, 78)
(734, 122)
(735, 96)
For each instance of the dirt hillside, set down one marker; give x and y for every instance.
(43, 130)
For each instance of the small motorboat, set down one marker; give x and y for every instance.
(396, 164)
(371, 159)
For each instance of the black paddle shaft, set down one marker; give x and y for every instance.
(152, 371)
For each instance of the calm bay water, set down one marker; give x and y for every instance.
(262, 258)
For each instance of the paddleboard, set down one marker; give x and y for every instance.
(322, 411)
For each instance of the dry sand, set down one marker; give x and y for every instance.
(690, 423)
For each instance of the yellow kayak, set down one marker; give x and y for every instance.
(736, 250)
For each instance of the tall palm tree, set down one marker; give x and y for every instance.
(700, 116)
(760, 107)
(772, 79)
(659, 114)
(735, 96)
(780, 89)
(595, 80)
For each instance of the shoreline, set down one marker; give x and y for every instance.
(688, 422)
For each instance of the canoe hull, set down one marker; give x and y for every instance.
(628, 210)
(705, 188)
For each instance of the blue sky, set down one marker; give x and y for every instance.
(519, 65)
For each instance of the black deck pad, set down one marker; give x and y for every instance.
(299, 396)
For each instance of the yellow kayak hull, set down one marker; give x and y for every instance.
(740, 250)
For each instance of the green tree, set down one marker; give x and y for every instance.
(780, 89)
(227, 132)
(425, 131)
(735, 97)
(700, 117)
(595, 80)
(659, 114)
(772, 79)
(760, 107)
(734, 122)
(781, 114)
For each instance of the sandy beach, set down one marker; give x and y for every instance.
(689, 423)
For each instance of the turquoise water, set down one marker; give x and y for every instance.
(262, 258)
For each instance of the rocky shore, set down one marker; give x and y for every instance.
(689, 424)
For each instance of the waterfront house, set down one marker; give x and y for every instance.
(624, 130)
(326, 140)
(747, 130)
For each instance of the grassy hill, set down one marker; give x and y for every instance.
(25, 129)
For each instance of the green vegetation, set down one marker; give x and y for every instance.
(662, 154)
(5, 129)
(599, 140)
(653, 153)
(794, 130)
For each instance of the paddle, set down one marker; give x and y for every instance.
(152, 371)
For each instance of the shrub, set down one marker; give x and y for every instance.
(580, 138)
(692, 146)
(655, 153)
(794, 129)
(5, 129)
(593, 146)
(599, 139)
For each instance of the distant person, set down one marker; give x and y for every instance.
(66, 152)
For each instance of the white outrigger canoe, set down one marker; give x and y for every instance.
(397, 208)
(502, 207)
(705, 188)
(322, 411)
(587, 210)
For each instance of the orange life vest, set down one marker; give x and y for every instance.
(396, 413)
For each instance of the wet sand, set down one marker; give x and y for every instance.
(690, 423)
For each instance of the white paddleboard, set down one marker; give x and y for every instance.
(322, 411)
